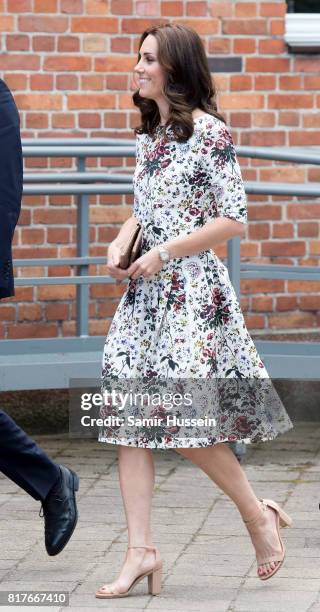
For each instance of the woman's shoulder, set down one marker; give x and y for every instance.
(209, 124)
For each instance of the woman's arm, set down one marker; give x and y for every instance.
(207, 237)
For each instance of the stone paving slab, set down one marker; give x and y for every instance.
(209, 562)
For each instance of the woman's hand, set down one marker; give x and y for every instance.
(113, 262)
(147, 265)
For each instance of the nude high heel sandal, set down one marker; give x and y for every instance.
(282, 520)
(154, 579)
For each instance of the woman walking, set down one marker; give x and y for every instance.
(180, 317)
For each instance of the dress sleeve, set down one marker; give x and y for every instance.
(223, 174)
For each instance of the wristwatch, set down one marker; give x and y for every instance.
(164, 254)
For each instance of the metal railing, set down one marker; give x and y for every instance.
(83, 183)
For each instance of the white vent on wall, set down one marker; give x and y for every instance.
(302, 32)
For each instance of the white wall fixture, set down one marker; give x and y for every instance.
(302, 32)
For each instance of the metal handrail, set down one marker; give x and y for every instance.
(116, 183)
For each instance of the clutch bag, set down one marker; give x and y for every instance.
(129, 251)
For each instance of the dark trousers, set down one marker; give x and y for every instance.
(23, 461)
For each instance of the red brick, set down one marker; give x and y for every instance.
(246, 9)
(55, 292)
(197, 9)
(29, 312)
(67, 82)
(285, 302)
(171, 9)
(273, 9)
(7, 313)
(66, 63)
(264, 139)
(241, 100)
(294, 320)
(276, 27)
(292, 248)
(288, 118)
(29, 330)
(103, 291)
(267, 64)
(262, 303)
(254, 321)
(109, 25)
(258, 231)
(63, 121)
(56, 312)
(240, 82)
(281, 174)
(219, 45)
(41, 81)
(43, 43)
(290, 101)
(264, 119)
(16, 81)
(241, 119)
(43, 24)
(282, 230)
(239, 26)
(6, 24)
(265, 285)
(271, 46)
(123, 7)
(221, 9)
(120, 45)
(308, 229)
(290, 82)
(32, 236)
(263, 212)
(244, 45)
(19, 6)
(92, 82)
(312, 82)
(19, 62)
(72, 6)
(295, 286)
(95, 101)
(38, 101)
(114, 82)
(310, 138)
(265, 82)
(23, 294)
(303, 211)
(306, 64)
(309, 302)
(89, 120)
(17, 42)
(54, 217)
(49, 6)
(58, 236)
(114, 63)
(68, 44)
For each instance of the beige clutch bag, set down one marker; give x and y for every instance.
(131, 249)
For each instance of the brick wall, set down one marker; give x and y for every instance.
(69, 65)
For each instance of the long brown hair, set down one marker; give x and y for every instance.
(187, 81)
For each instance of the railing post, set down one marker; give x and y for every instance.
(234, 263)
(239, 448)
(82, 251)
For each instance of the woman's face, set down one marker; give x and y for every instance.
(149, 74)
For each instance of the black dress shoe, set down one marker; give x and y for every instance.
(60, 511)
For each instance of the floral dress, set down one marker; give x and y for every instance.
(183, 326)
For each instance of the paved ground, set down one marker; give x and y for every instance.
(209, 562)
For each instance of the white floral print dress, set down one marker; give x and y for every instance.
(185, 321)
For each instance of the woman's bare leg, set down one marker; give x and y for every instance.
(136, 475)
(221, 465)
